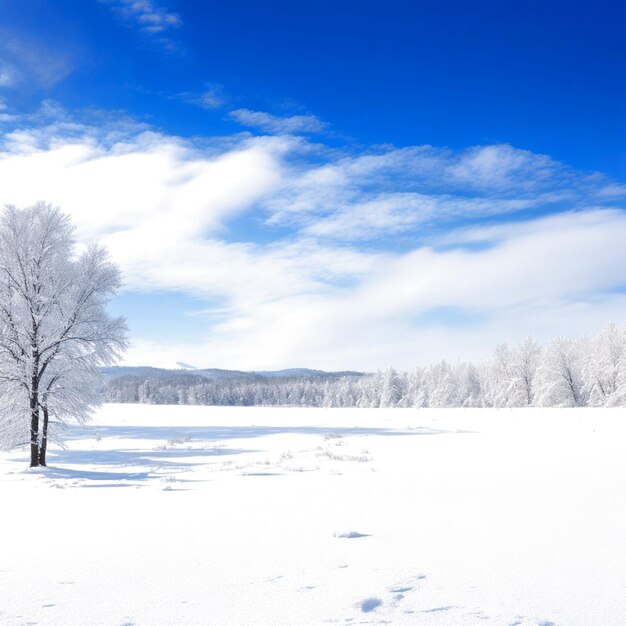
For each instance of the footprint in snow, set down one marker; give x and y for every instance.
(401, 589)
(439, 609)
(353, 534)
(370, 604)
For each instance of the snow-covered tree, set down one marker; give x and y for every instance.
(391, 389)
(498, 377)
(509, 378)
(470, 388)
(560, 377)
(443, 386)
(54, 329)
(415, 389)
(526, 360)
(605, 365)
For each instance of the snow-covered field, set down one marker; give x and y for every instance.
(202, 515)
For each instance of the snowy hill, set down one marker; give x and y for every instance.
(180, 368)
(302, 372)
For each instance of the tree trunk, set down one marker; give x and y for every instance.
(34, 422)
(34, 437)
(44, 437)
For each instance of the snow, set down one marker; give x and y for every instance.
(191, 515)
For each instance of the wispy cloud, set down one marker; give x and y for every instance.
(28, 63)
(327, 289)
(411, 190)
(212, 97)
(394, 213)
(268, 123)
(502, 166)
(148, 16)
(9, 76)
(152, 19)
(5, 115)
(612, 190)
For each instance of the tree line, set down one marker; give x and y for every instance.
(563, 373)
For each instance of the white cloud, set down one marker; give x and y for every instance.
(153, 20)
(392, 213)
(501, 166)
(150, 17)
(4, 115)
(151, 182)
(310, 292)
(27, 62)
(612, 190)
(211, 98)
(274, 124)
(391, 191)
(9, 76)
(557, 279)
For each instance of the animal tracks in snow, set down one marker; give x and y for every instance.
(413, 601)
(389, 602)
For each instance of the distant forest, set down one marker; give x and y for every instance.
(564, 373)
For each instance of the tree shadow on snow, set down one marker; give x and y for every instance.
(172, 458)
(174, 448)
(76, 474)
(217, 433)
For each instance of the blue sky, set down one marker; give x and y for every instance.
(348, 184)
